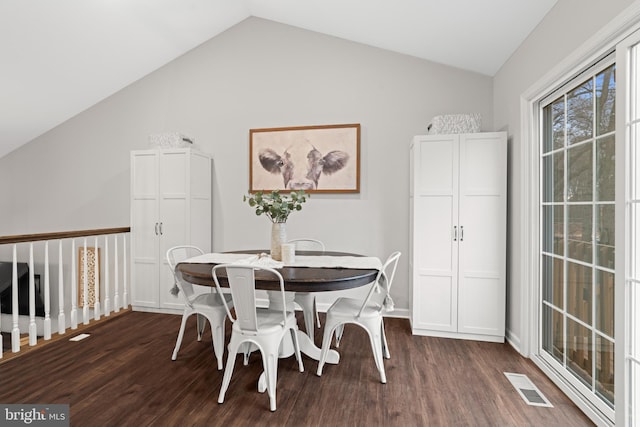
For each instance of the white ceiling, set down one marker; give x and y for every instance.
(60, 57)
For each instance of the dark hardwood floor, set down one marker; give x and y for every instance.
(122, 375)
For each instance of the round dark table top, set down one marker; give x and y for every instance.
(296, 279)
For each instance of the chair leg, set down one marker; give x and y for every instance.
(326, 343)
(200, 324)
(185, 316)
(245, 353)
(296, 347)
(307, 302)
(269, 353)
(315, 307)
(271, 371)
(339, 332)
(385, 347)
(217, 336)
(226, 379)
(376, 346)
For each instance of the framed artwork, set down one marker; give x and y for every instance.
(316, 159)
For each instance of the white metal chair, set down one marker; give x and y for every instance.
(306, 300)
(262, 327)
(207, 306)
(367, 314)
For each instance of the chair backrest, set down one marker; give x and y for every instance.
(379, 292)
(306, 244)
(176, 255)
(242, 282)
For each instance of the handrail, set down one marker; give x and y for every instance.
(78, 276)
(21, 238)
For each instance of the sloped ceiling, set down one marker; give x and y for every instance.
(61, 57)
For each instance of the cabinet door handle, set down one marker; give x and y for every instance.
(161, 229)
(156, 228)
(461, 233)
(455, 233)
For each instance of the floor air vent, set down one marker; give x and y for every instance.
(79, 337)
(527, 390)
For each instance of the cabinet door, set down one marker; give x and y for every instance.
(435, 251)
(144, 228)
(482, 248)
(174, 217)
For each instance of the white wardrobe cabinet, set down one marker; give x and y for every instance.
(170, 205)
(458, 235)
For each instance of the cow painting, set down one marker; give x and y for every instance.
(302, 164)
(323, 159)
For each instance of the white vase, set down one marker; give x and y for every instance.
(278, 237)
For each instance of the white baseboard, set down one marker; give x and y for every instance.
(514, 341)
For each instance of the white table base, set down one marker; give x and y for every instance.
(307, 346)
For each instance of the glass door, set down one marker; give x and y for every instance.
(577, 214)
(628, 56)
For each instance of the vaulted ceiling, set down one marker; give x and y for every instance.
(61, 57)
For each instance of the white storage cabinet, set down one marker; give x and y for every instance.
(458, 235)
(170, 205)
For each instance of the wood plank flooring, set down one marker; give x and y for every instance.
(123, 376)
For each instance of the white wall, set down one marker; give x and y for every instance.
(567, 26)
(257, 74)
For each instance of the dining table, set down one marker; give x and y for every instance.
(312, 271)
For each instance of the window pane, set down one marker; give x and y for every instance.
(552, 281)
(579, 225)
(605, 236)
(554, 125)
(579, 291)
(553, 229)
(605, 169)
(553, 183)
(553, 337)
(580, 113)
(604, 302)
(606, 101)
(604, 369)
(580, 174)
(579, 351)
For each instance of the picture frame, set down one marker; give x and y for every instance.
(316, 159)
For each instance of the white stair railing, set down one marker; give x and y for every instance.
(39, 262)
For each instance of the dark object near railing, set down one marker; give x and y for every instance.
(6, 289)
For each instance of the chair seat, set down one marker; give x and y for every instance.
(210, 299)
(269, 321)
(349, 307)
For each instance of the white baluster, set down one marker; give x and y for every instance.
(116, 298)
(107, 302)
(96, 276)
(85, 286)
(74, 287)
(33, 329)
(124, 272)
(15, 330)
(62, 322)
(47, 294)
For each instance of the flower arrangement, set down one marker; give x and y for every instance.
(277, 207)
